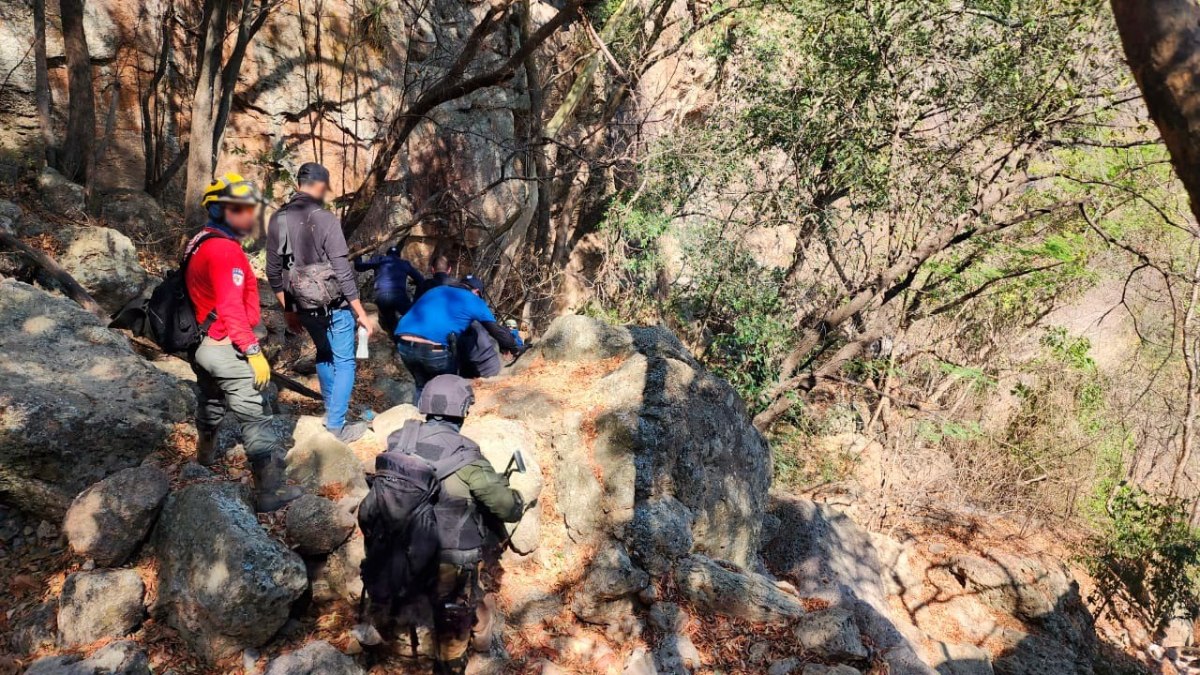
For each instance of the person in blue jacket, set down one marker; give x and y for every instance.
(392, 274)
(477, 353)
(436, 320)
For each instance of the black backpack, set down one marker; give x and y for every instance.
(168, 316)
(398, 521)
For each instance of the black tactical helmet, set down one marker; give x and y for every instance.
(448, 395)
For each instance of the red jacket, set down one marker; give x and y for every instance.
(219, 276)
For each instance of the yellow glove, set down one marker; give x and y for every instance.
(262, 370)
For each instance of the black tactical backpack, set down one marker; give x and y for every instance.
(168, 316)
(398, 521)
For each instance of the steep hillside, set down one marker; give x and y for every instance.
(655, 546)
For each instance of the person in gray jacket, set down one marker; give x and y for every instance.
(304, 233)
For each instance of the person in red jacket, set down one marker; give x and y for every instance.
(230, 368)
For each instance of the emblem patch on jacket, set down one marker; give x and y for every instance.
(238, 276)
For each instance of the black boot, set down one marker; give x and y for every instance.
(271, 491)
(454, 667)
(206, 448)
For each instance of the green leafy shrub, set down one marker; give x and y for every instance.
(1147, 555)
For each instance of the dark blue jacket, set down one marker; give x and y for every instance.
(391, 274)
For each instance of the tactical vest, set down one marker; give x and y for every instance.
(460, 526)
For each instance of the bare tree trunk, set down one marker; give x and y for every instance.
(201, 160)
(454, 85)
(1190, 348)
(42, 81)
(81, 111)
(892, 280)
(1162, 43)
(215, 87)
(152, 141)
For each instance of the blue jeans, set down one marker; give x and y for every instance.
(334, 339)
(425, 362)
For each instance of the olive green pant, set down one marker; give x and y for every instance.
(226, 384)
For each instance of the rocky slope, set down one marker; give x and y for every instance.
(656, 545)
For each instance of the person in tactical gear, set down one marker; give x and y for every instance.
(229, 364)
(466, 494)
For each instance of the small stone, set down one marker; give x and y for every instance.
(820, 669)
(758, 652)
(250, 661)
(193, 471)
(831, 634)
(315, 658)
(88, 565)
(640, 663)
(784, 667)
(365, 633)
(46, 531)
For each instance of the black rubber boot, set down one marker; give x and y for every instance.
(206, 448)
(271, 491)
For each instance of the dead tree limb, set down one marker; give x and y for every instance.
(63, 278)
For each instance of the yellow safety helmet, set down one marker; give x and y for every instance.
(231, 188)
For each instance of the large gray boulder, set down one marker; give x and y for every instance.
(658, 428)
(223, 583)
(108, 521)
(100, 604)
(76, 403)
(317, 526)
(105, 262)
(831, 634)
(132, 212)
(581, 338)
(322, 464)
(314, 658)
(499, 440)
(830, 558)
(60, 195)
(124, 657)
(736, 593)
(339, 577)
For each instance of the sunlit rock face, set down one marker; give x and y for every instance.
(76, 403)
(223, 582)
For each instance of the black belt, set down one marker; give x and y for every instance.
(428, 345)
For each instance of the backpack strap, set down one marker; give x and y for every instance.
(405, 441)
(183, 265)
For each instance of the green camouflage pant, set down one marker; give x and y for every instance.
(226, 384)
